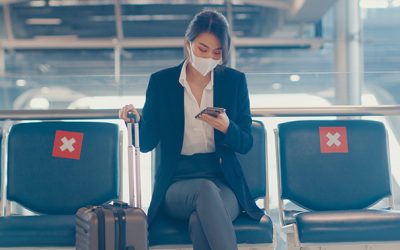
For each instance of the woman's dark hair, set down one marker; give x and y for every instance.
(212, 22)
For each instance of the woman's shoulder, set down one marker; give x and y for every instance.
(229, 72)
(165, 78)
(168, 72)
(231, 76)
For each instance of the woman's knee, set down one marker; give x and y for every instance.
(194, 221)
(206, 187)
(207, 192)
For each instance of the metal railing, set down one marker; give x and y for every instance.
(61, 114)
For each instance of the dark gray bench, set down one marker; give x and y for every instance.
(335, 170)
(55, 187)
(166, 232)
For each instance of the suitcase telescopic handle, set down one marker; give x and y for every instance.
(134, 169)
(118, 203)
(132, 116)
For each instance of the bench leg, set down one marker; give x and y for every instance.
(291, 243)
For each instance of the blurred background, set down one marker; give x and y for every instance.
(54, 52)
(92, 54)
(57, 54)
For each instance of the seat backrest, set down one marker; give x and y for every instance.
(1, 150)
(47, 173)
(253, 163)
(333, 164)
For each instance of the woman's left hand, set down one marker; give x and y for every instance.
(221, 122)
(264, 219)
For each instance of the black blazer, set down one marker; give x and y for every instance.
(162, 122)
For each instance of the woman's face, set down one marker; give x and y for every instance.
(207, 45)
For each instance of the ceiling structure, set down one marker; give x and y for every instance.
(66, 23)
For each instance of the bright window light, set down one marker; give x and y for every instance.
(276, 85)
(396, 3)
(294, 78)
(39, 103)
(374, 4)
(43, 21)
(20, 82)
(39, 3)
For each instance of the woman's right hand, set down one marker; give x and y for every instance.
(123, 113)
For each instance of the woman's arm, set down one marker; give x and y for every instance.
(150, 120)
(238, 136)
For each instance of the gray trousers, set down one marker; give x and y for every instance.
(210, 206)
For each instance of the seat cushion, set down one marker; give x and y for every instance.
(167, 231)
(35, 231)
(349, 226)
(252, 232)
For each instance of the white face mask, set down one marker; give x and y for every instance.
(202, 65)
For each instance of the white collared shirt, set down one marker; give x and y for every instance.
(198, 135)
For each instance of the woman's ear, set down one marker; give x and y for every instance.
(187, 49)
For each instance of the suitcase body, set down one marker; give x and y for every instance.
(116, 226)
(110, 227)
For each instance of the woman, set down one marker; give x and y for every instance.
(199, 178)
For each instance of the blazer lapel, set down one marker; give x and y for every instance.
(218, 90)
(177, 107)
(219, 100)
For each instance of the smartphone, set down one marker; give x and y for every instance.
(213, 111)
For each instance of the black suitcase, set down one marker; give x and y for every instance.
(116, 226)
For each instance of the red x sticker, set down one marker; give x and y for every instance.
(333, 140)
(67, 144)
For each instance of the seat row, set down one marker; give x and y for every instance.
(334, 171)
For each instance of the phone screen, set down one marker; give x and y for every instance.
(213, 111)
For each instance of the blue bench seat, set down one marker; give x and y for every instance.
(336, 171)
(167, 231)
(55, 186)
(349, 226)
(35, 231)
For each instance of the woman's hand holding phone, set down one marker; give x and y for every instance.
(216, 118)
